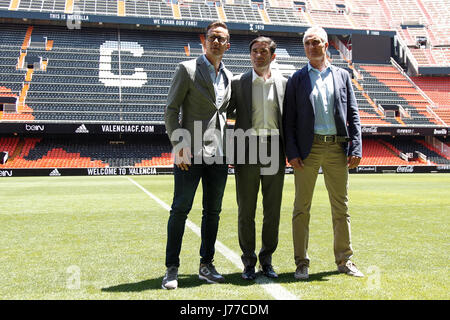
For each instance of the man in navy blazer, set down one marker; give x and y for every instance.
(322, 130)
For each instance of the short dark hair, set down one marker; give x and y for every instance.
(269, 41)
(217, 24)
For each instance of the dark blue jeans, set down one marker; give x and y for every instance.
(214, 179)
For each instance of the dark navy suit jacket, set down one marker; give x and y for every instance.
(298, 115)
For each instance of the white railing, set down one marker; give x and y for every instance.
(399, 68)
(346, 53)
(407, 53)
(431, 111)
(431, 105)
(423, 94)
(438, 145)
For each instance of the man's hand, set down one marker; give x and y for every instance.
(296, 163)
(183, 159)
(353, 162)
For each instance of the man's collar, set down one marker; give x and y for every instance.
(209, 64)
(255, 76)
(327, 65)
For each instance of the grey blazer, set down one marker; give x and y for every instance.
(192, 93)
(241, 100)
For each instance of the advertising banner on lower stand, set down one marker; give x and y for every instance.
(132, 171)
(82, 128)
(108, 171)
(404, 131)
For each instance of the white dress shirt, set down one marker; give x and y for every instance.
(264, 106)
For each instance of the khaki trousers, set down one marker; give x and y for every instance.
(330, 156)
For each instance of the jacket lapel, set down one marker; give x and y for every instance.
(337, 86)
(204, 72)
(278, 91)
(247, 93)
(308, 88)
(227, 95)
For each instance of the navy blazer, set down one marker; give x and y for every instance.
(298, 115)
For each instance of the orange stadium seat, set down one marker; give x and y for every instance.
(388, 85)
(438, 90)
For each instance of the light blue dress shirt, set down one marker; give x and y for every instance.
(323, 100)
(219, 80)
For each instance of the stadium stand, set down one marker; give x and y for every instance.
(142, 8)
(388, 86)
(330, 18)
(9, 144)
(376, 153)
(81, 79)
(283, 12)
(408, 146)
(242, 11)
(80, 82)
(103, 74)
(438, 89)
(71, 152)
(387, 151)
(423, 27)
(85, 152)
(405, 11)
(198, 10)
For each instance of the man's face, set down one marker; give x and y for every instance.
(315, 48)
(260, 55)
(217, 41)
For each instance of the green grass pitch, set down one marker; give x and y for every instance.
(104, 238)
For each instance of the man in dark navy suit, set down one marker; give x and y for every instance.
(322, 130)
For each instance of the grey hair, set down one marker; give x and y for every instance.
(318, 31)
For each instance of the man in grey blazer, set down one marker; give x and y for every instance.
(322, 130)
(200, 91)
(257, 100)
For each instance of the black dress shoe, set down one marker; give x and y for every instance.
(249, 273)
(268, 271)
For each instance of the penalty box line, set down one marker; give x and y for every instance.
(274, 289)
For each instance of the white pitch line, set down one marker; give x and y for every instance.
(274, 289)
